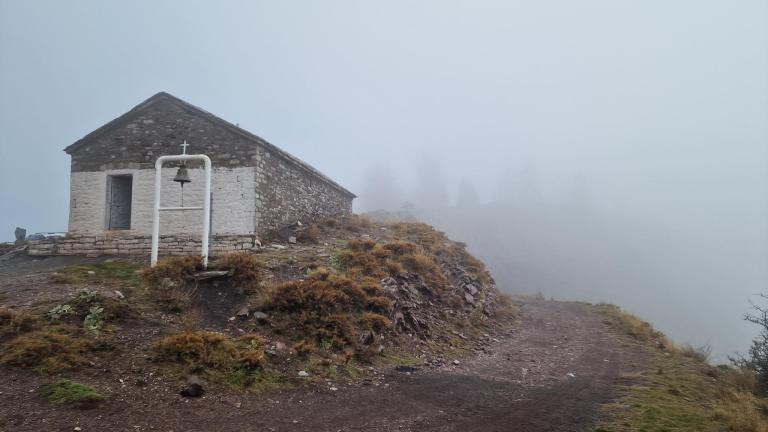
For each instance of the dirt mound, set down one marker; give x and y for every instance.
(341, 291)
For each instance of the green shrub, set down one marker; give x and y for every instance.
(94, 321)
(60, 311)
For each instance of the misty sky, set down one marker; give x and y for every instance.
(655, 110)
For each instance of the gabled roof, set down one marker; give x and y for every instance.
(194, 110)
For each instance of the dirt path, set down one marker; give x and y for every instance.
(524, 385)
(547, 375)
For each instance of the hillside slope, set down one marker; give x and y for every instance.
(348, 325)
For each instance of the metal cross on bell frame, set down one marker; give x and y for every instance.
(182, 176)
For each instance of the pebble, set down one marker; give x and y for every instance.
(303, 374)
(456, 362)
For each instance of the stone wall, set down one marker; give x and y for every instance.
(233, 205)
(256, 186)
(136, 245)
(285, 194)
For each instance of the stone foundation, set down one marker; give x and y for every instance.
(134, 245)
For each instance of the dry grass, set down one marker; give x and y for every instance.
(369, 259)
(102, 273)
(237, 363)
(439, 245)
(171, 282)
(168, 283)
(635, 327)
(506, 307)
(176, 270)
(50, 349)
(245, 270)
(310, 235)
(327, 309)
(15, 322)
(678, 391)
(699, 353)
(742, 412)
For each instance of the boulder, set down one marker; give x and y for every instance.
(243, 312)
(194, 387)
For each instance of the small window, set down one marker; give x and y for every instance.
(119, 198)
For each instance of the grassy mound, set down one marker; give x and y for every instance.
(234, 362)
(67, 336)
(50, 349)
(328, 310)
(679, 391)
(172, 281)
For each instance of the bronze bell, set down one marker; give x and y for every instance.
(182, 176)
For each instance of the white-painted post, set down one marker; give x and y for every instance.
(206, 202)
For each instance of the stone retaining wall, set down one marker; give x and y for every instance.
(89, 245)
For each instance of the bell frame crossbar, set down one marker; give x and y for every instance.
(206, 208)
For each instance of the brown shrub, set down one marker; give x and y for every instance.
(326, 308)
(379, 304)
(14, 322)
(426, 266)
(698, 353)
(421, 234)
(251, 350)
(370, 285)
(437, 244)
(361, 245)
(245, 270)
(177, 270)
(197, 348)
(368, 259)
(304, 348)
(374, 321)
(236, 363)
(309, 235)
(50, 350)
(400, 247)
(356, 223)
(331, 223)
(322, 292)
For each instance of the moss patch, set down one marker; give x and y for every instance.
(70, 392)
(102, 273)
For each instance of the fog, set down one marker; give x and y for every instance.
(593, 150)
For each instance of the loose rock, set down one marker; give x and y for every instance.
(194, 387)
